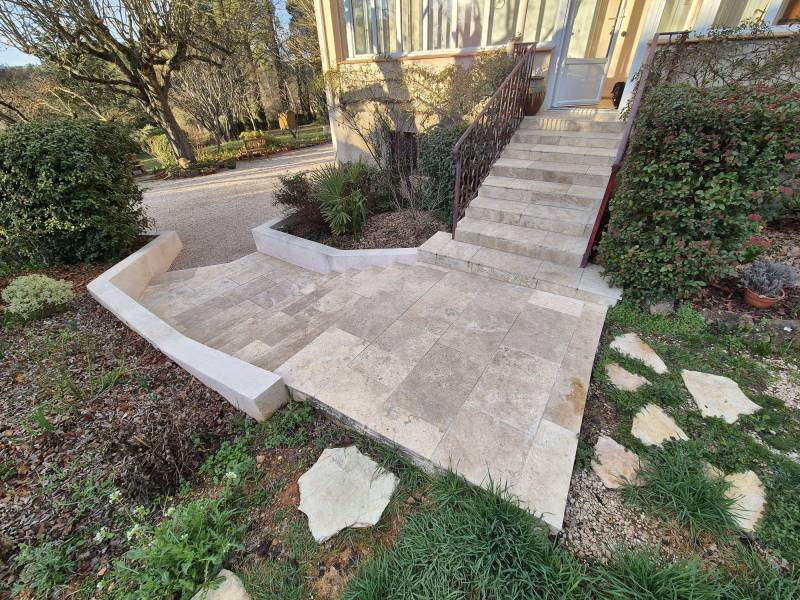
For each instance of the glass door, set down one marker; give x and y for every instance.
(593, 27)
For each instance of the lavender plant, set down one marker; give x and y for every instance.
(768, 278)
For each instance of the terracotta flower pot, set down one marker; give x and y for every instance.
(758, 301)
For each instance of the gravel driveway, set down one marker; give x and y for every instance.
(214, 214)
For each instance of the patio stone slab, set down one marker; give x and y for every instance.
(624, 380)
(343, 489)
(614, 464)
(653, 426)
(718, 396)
(631, 345)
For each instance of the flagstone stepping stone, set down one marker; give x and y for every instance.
(749, 497)
(231, 588)
(614, 464)
(631, 345)
(624, 380)
(653, 426)
(718, 396)
(344, 488)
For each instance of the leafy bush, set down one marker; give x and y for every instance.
(32, 296)
(438, 167)
(67, 192)
(705, 168)
(185, 551)
(341, 201)
(768, 278)
(253, 134)
(296, 195)
(230, 462)
(158, 147)
(44, 567)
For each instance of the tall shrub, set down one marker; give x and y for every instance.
(705, 168)
(67, 192)
(438, 167)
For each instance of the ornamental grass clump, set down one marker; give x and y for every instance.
(32, 296)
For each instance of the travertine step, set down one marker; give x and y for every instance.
(560, 154)
(567, 124)
(574, 282)
(534, 243)
(541, 192)
(567, 138)
(573, 173)
(571, 221)
(595, 114)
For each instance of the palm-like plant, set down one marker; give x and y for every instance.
(342, 203)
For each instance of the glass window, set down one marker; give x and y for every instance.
(439, 28)
(470, 24)
(411, 15)
(791, 14)
(593, 28)
(540, 20)
(732, 13)
(361, 35)
(504, 20)
(679, 15)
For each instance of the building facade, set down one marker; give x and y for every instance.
(584, 47)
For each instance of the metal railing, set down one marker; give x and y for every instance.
(483, 141)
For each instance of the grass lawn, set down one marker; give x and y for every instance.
(126, 478)
(307, 135)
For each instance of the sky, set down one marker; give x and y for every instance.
(12, 57)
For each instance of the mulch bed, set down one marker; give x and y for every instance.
(395, 229)
(88, 407)
(727, 295)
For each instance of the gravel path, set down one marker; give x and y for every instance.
(214, 214)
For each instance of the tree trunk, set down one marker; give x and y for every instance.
(160, 109)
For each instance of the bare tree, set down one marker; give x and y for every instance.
(145, 41)
(16, 94)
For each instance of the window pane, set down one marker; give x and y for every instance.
(504, 20)
(363, 42)
(792, 13)
(411, 13)
(471, 23)
(679, 15)
(593, 27)
(540, 20)
(387, 25)
(438, 24)
(735, 12)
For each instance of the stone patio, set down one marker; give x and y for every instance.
(455, 369)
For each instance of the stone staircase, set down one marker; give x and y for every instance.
(531, 221)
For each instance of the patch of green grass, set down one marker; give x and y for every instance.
(231, 461)
(780, 525)
(275, 580)
(45, 567)
(473, 543)
(684, 323)
(674, 483)
(289, 426)
(754, 578)
(644, 575)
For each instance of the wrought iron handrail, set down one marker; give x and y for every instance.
(483, 141)
(622, 150)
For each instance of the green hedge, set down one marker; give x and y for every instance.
(706, 168)
(67, 193)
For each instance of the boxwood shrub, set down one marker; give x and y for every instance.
(705, 169)
(67, 193)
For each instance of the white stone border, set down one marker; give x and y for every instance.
(319, 257)
(256, 391)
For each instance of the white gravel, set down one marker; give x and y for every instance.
(214, 214)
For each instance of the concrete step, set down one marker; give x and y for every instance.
(576, 173)
(547, 193)
(594, 114)
(560, 154)
(571, 281)
(586, 139)
(570, 221)
(535, 243)
(558, 123)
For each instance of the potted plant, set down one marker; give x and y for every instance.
(764, 282)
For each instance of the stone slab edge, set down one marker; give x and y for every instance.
(319, 257)
(257, 392)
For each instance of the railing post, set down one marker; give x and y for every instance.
(457, 191)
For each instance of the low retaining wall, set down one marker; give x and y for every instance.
(257, 392)
(319, 257)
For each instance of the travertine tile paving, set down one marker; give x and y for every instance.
(459, 370)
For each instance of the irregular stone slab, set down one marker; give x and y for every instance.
(630, 344)
(749, 498)
(653, 426)
(718, 396)
(344, 488)
(231, 588)
(624, 380)
(614, 464)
